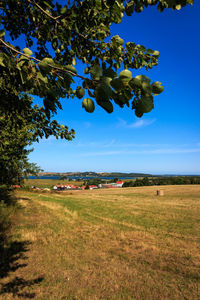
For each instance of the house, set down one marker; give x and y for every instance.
(66, 187)
(112, 185)
(119, 183)
(16, 186)
(92, 187)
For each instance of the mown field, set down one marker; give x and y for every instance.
(48, 183)
(105, 244)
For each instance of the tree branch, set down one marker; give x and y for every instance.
(16, 51)
(56, 18)
(45, 12)
(53, 67)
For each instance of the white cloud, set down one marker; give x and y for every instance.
(137, 124)
(101, 153)
(175, 151)
(145, 152)
(99, 144)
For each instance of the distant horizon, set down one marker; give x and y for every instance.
(126, 172)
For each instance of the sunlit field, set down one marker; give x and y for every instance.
(124, 243)
(48, 183)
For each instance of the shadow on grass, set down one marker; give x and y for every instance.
(10, 254)
(16, 286)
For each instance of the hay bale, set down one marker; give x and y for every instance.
(160, 193)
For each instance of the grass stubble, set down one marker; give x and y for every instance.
(108, 244)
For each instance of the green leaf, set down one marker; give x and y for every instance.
(145, 105)
(88, 104)
(119, 99)
(138, 113)
(116, 40)
(117, 84)
(67, 81)
(146, 88)
(178, 7)
(156, 53)
(44, 67)
(63, 10)
(48, 60)
(103, 92)
(86, 71)
(44, 64)
(150, 51)
(2, 33)
(104, 5)
(27, 51)
(157, 88)
(107, 106)
(106, 80)
(96, 72)
(142, 48)
(129, 8)
(55, 44)
(70, 68)
(74, 61)
(125, 76)
(130, 45)
(139, 8)
(143, 78)
(57, 51)
(23, 76)
(80, 92)
(47, 4)
(62, 47)
(135, 83)
(42, 79)
(2, 60)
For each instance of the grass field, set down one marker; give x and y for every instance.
(48, 183)
(105, 244)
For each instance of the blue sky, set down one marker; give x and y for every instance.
(164, 141)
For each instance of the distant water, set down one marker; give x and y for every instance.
(77, 177)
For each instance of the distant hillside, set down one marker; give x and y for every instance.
(94, 174)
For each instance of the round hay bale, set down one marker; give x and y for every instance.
(160, 193)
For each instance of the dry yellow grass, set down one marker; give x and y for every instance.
(107, 244)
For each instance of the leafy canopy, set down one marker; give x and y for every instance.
(59, 35)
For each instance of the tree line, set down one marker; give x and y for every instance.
(168, 180)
